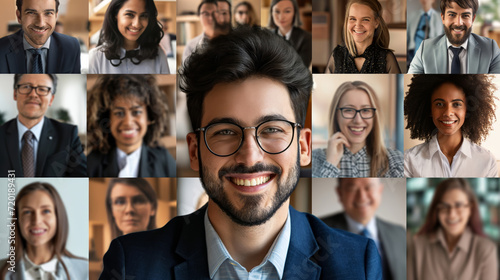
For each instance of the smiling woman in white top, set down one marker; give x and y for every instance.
(129, 42)
(453, 114)
(41, 235)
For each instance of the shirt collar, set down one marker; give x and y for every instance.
(360, 154)
(123, 158)
(217, 252)
(36, 130)
(464, 45)
(463, 243)
(355, 227)
(27, 45)
(465, 148)
(287, 35)
(49, 267)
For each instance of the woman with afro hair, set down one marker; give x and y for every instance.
(453, 114)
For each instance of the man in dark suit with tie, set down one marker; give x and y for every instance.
(361, 198)
(33, 145)
(36, 48)
(247, 112)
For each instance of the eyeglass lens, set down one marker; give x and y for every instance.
(350, 113)
(138, 202)
(225, 138)
(40, 90)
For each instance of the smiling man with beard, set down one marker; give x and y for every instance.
(458, 51)
(36, 48)
(247, 98)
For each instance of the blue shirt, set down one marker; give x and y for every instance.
(29, 55)
(36, 130)
(222, 266)
(356, 228)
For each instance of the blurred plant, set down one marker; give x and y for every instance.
(489, 11)
(63, 115)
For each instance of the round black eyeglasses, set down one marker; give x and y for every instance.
(224, 138)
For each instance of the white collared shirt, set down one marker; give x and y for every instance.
(287, 35)
(128, 164)
(222, 266)
(44, 271)
(462, 56)
(37, 132)
(471, 160)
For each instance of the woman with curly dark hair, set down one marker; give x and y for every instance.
(129, 42)
(127, 115)
(453, 114)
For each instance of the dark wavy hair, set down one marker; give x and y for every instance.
(144, 187)
(61, 235)
(246, 52)
(464, 4)
(111, 39)
(101, 97)
(19, 5)
(480, 104)
(431, 224)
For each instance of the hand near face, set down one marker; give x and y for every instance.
(335, 149)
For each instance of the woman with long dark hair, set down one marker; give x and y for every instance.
(129, 42)
(451, 243)
(41, 236)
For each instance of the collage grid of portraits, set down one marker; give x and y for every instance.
(115, 110)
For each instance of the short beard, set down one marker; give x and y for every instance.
(453, 40)
(251, 213)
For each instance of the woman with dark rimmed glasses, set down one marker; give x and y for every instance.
(129, 42)
(356, 144)
(451, 243)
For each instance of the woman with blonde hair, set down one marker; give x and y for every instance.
(366, 39)
(356, 143)
(451, 244)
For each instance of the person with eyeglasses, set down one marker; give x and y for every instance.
(130, 206)
(36, 146)
(127, 118)
(356, 144)
(451, 243)
(215, 19)
(248, 143)
(453, 114)
(129, 41)
(244, 14)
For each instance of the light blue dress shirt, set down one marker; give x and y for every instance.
(356, 228)
(222, 266)
(29, 55)
(36, 130)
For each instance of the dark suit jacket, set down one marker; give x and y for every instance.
(63, 55)
(178, 251)
(301, 41)
(392, 239)
(154, 162)
(60, 152)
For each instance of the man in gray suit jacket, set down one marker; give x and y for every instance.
(460, 51)
(360, 198)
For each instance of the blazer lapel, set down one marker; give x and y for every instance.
(388, 245)
(473, 56)
(110, 164)
(302, 248)
(144, 164)
(192, 248)
(13, 148)
(440, 57)
(53, 56)
(16, 59)
(45, 146)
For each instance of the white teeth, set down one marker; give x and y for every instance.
(250, 182)
(448, 122)
(128, 132)
(359, 32)
(37, 231)
(357, 129)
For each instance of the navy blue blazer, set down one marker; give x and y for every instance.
(154, 162)
(63, 55)
(178, 251)
(60, 152)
